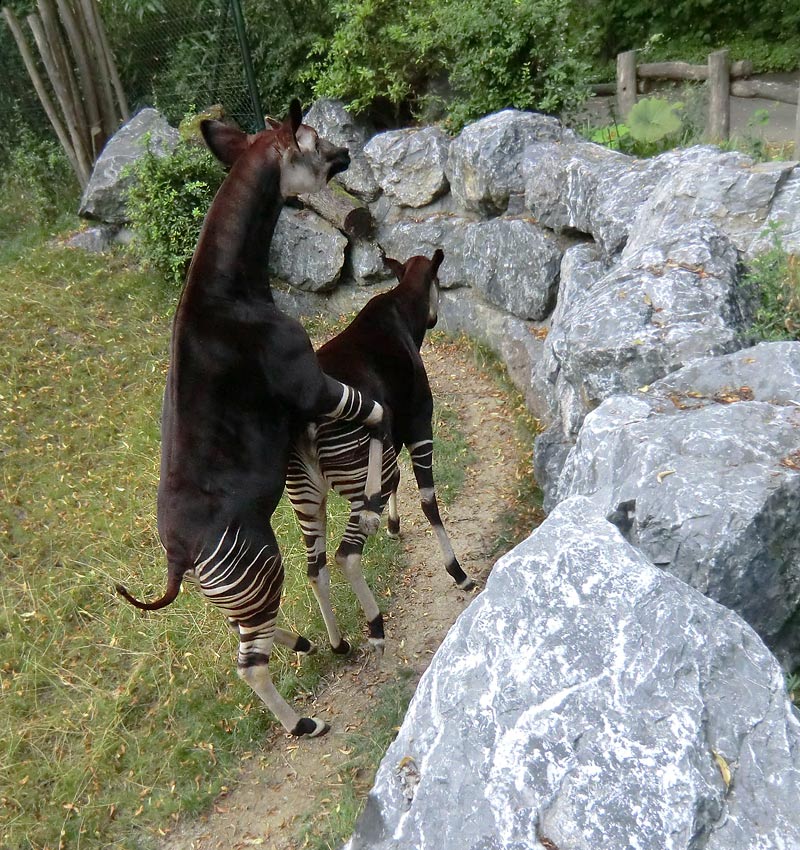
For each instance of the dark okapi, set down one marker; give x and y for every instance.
(378, 353)
(242, 375)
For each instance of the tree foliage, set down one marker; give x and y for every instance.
(463, 56)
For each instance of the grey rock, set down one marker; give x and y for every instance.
(306, 251)
(409, 165)
(581, 267)
(514, 264)
(333, 303)
(519, 344)
(769, 371)
(706, 482)
(586, 187)
(101, 238)
(365, 264)
(666, 303)
(551, 449)
(484, 165)
(105, 194)
(784, 218)
(727, 188)
(408, 238)
(333, 122)
(587, 699)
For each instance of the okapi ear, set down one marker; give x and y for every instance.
(225, 142)
(436, 261)
(397, 267)
(295, 115)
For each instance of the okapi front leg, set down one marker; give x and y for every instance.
(422, 461)
(352, 406)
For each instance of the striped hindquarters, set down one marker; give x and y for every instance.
(333, 456)
(244, 579)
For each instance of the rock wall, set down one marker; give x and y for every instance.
(591, 696)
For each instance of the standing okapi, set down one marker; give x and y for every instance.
(242, 376)
(378, 353)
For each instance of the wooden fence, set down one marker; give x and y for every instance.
(724, 79)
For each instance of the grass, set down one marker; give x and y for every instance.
(773, 282)
(113, 724)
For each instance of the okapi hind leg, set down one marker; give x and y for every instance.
(253, 668)
(422, 461)
(297, 643)
(321, 587)
(393, 518)
(348, 556)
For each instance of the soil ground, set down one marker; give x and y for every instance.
(279, 786)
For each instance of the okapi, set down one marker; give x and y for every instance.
(242, 375)
(379, 353)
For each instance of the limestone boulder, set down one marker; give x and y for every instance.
(484, 165)
(333, 122)
(105, 195)
(307, 251)
(409, 165)
(588, 699)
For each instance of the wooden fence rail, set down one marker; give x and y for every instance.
(723, 77)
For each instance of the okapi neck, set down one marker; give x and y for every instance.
(230, 261)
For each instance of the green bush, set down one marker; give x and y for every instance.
(37, 184)
(773, 282)
(167, 203)
(626, 24)
(471, 57)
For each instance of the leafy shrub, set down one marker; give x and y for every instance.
(626, 24)
(773, 282)
(37, 183)
(167, 204)
(470, 56)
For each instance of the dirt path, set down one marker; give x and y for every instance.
(280, 785)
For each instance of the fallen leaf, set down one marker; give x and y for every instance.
(664, 473)
(723, 768)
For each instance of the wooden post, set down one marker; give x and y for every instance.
(626, 83)
(42, 93)
(719, 96)
(73, 109)
(105, 91)
(60, 87)
(110, 64)
(96, 135)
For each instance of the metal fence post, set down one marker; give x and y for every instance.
(244, 47)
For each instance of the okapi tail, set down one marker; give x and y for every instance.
(174, 579)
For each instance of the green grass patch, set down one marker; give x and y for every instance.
(114, 723)
(773, 284)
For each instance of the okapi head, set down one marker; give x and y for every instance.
(419, 283)
(306, 162)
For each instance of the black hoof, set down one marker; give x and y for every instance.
(310, 728)
(467, 584)
(304, 646)
(342, 649)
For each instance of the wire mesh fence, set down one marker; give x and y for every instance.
(182, 56)
(179, 56)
